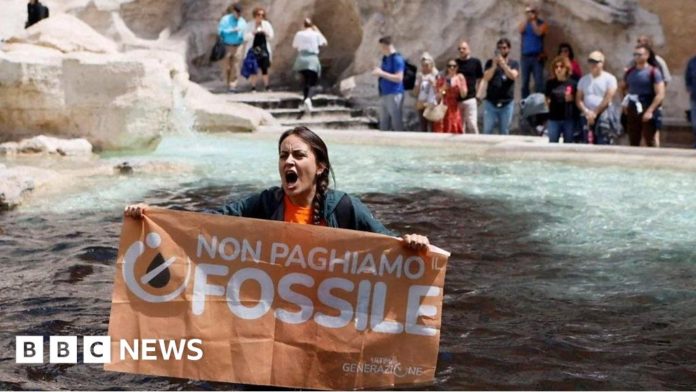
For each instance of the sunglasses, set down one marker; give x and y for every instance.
(637, 54)
(460, 49)
(503, 47)
(559, 66)
(451, 65)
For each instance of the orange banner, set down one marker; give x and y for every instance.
(251, 301)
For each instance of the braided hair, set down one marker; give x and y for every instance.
(321, 154)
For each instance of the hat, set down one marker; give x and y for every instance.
(529, 8)
(427, 57)
(596, 57)
(237, 8)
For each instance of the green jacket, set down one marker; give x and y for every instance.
(340, 210)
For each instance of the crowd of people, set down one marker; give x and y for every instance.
(579, 108)
(248, 51)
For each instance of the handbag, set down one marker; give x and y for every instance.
(219, 51)
(435, 113)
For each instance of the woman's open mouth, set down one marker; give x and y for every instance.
(291, 177)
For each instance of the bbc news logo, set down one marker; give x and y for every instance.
(97, 349)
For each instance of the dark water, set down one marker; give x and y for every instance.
(518, 313)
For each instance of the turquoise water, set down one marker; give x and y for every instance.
(614, 208)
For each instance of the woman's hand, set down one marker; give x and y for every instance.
(416, 241)
(135, 211)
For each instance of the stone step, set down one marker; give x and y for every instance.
(284, 100)
(335, 123)
(329, 111)
(320, 112)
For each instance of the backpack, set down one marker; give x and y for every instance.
(409, 80)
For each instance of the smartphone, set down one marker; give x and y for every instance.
(496, 52)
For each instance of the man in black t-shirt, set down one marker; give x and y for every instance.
(500, 75)
(471, 68)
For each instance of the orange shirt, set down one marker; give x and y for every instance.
(297, 214)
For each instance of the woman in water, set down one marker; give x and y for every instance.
(304, 195)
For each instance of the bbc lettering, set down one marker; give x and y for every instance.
(63, 349)
(97, 349)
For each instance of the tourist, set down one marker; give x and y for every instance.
(499, 77)
(560, 98)
(35, 12)
(425, 90)
(307, 42)
(451, 87)
(231, 31)
(655, 61)
(690, 79)
(565, 50)
(532, 30)
(595, 93)
(391, 88)
(472, 70)
(260, 33)
(304, 195)
(644, 90)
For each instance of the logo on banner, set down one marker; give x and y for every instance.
(153, 272)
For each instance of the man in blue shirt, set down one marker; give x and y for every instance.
(690, 78)
(533, 30)
(644, 90)
(391, 88)
(231, 31)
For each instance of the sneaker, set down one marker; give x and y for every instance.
(308, 105)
